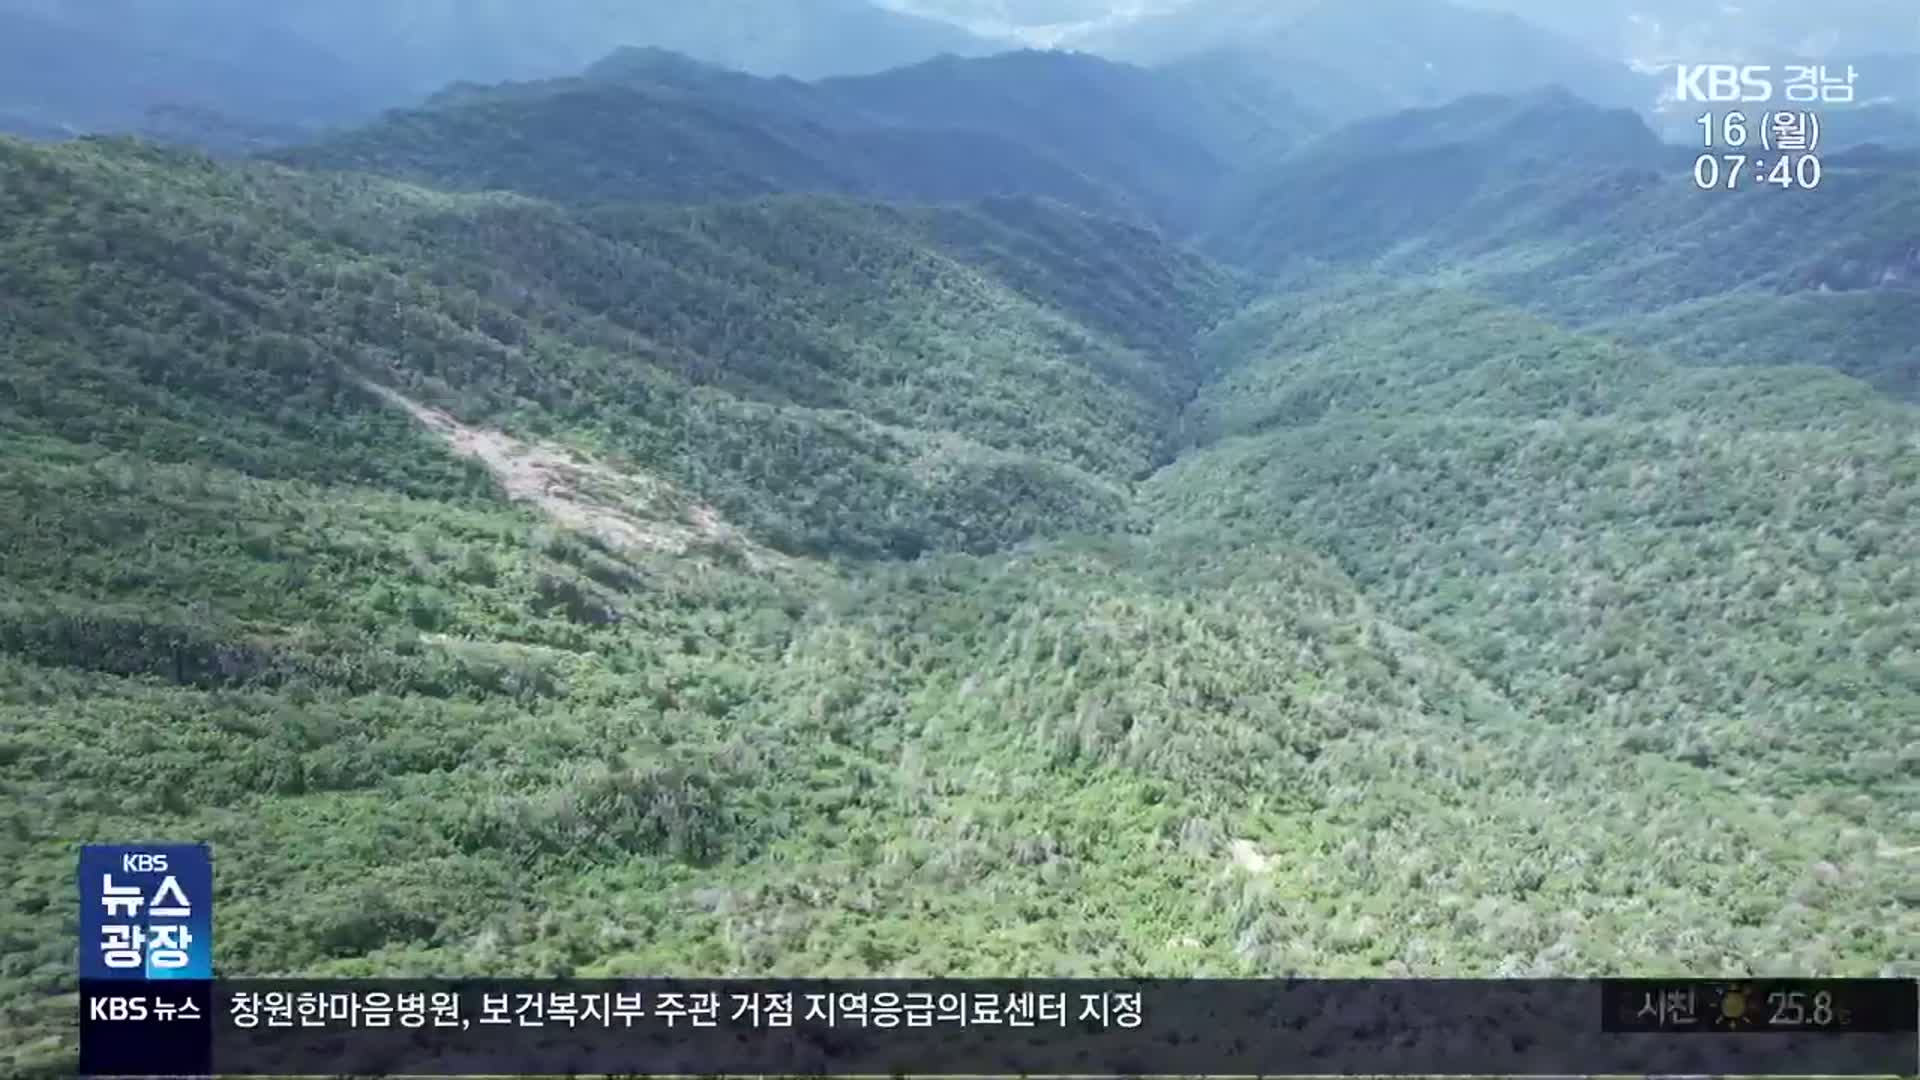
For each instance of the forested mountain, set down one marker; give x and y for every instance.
(1361, 57)
(1014, 516)
(247, 72)
(1503, 181)
(1605, 535)
(598, 142)
(1871, 334)
(1580, 213)
(1166, 135)
(70, 68)
(650, 125)
(104, 64)
(777, 37)
(698, 334)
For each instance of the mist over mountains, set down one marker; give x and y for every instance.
(96, 66)
(1644, 30)
(238, 76)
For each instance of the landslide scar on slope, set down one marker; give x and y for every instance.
(626, 510)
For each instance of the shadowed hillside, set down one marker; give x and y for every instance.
(754, 351)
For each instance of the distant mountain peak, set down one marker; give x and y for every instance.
(1519, 121)
(649, 59)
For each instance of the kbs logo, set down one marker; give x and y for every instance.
(117, 1008)
(1718, 83)
(143, 862)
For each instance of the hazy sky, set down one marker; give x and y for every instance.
(100, 64)
(1626, 29)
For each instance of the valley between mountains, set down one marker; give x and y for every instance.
(671, 521)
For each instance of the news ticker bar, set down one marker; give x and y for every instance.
(946, 1027)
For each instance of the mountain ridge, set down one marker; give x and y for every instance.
(891, 135)
(320, 68)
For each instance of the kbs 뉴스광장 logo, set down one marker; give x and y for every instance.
(146, 911)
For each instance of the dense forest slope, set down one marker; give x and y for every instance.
(1605, 535)
(1580, 213)
(803, 584)
(1873, 335)
(843, 375)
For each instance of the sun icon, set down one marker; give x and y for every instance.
(1736, 1007)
